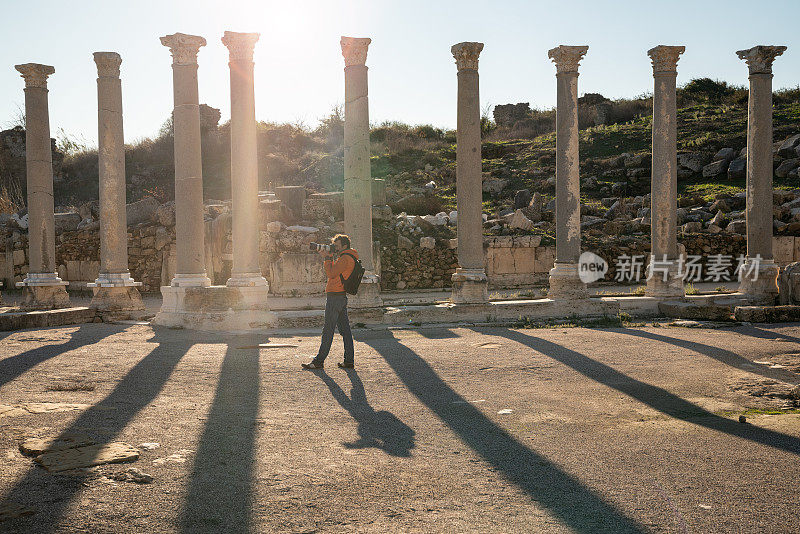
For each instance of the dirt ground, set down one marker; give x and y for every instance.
(436, 430)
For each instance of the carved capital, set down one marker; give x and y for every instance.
(183, 47)
(665, 58)
(35, 75)
(759, 58)
(354, 50)
(107, 64)
(466, 55)
(567, 58)
(240, 45)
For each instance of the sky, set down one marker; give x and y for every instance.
(412, 75)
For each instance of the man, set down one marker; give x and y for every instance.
(336, 302)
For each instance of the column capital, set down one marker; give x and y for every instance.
(240, 45)
(354, 50)
(107, 64)
(466, 55)
(759, 58)
(665, 58)
(35, 74)
(183, 47)
(567, 57)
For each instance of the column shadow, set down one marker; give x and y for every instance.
(52, 495)
(381, 430)
(721, 355)
(653, 396)
(220, 492)
(563, 495)
(85, 334)
(754, 331)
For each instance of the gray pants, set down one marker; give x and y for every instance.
(336, 316)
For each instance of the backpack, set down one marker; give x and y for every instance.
(351, 284)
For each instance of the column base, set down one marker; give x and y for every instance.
(565, 283)
(44, 291)
(672, 287)
(215, 308)
(114, 280)
(116, 298)
(246, 280)
(764, 289)
(369, 293)
(470, 286)
(191, 280)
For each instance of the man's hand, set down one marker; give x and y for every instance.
(325, 254)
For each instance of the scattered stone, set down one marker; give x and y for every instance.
(505, 411)
(694, 161)
(787, 148)
(153, 445)
(39, 407)
(494, 185)
(404, 242)
(725, 154)
(742, 419)
(715, 168)
(767, 314)
(141, 211)
(519, 220)
(37, 446)
(522, 199)
(133, 475)
(179, 457)
(691, 227)
(427, 242)
(737, 169)
(786, 166)
(165, 214)
(64, 460)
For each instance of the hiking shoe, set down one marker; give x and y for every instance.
(343, 365)
(313, 365)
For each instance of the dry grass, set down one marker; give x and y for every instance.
(11, 198)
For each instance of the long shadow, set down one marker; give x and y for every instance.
(754, 331)
(721, 355)
(381, 429)
(86, 334)
(134, 392)
(655, 397)
(220, 494)
(576, 505)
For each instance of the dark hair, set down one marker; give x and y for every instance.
(344, 238)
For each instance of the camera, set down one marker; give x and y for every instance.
(316, 247)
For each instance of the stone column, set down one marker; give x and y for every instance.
(190, 268)
(114, 288)
(564, 280)
(664, 174)
(42, 287)
(357, 174)
(244, 162)
(469, 280)
(759, 175)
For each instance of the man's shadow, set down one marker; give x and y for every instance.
(381, 429)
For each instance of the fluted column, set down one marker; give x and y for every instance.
(114, 287)
(42, 286)
(357, 173)
(759, 60)
(664, 175)
(189, 226)
(469, 280)
(564, 280)
(244, 161)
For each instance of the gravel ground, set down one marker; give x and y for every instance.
(436, 430)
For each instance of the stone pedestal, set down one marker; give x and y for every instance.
(244, 166)
(564, 280)
(664, 175)
(114, 289)
(469, 281)
(764, 289)
(759, 170)
(215, 308)
(357, 174)
(42, 287)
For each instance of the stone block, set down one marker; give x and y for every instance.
(72, 270)
(292, 197)
(19, 257)
(296, 273)
(141, 211)
(502, 261)
(545, 259)
(378, 191)
(783, 249)
(796, 254)
(66, 222)
(427, 242)
(89, 270)
(524, 260)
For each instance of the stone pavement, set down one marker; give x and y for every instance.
(437, 430)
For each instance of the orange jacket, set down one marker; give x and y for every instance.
(343, 265)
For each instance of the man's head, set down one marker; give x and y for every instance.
(340, 242)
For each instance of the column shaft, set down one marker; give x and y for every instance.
(38, 158)
(111, 162)
(244, 162)
(469, 192)
(568, 215)
(759, 167)
(357, 172)
(664, 176)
